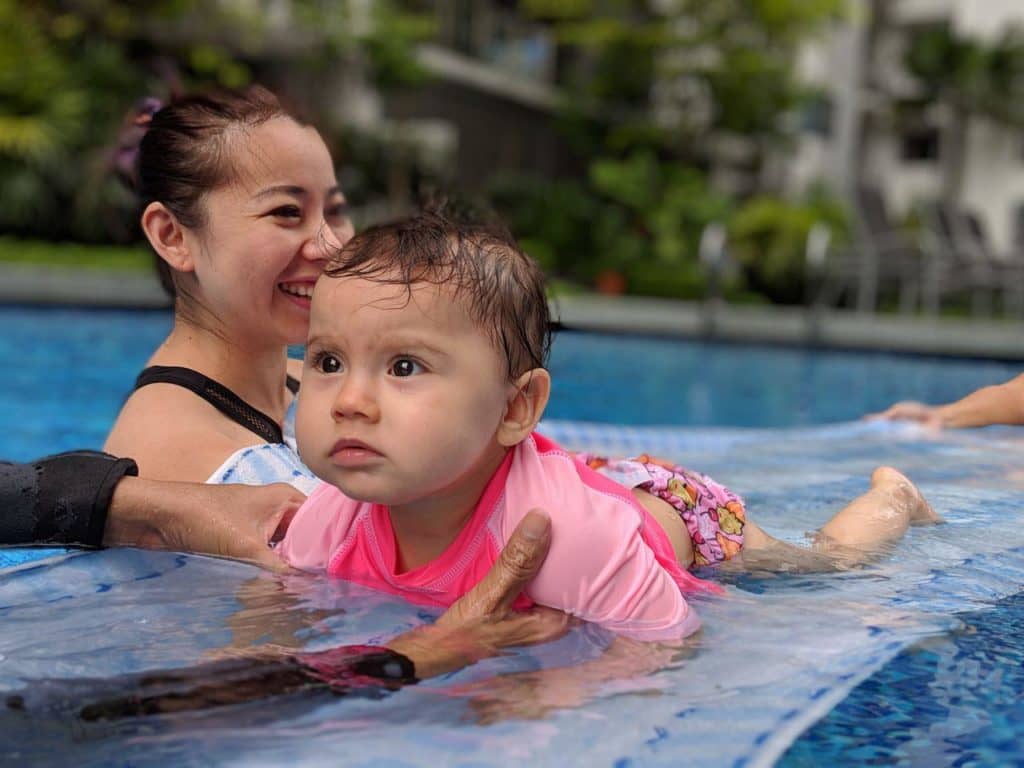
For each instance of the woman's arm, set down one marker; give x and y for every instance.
(62, 499)
(86, 498)
(235, 521)
(92, 499)
(478, 625)
(998, 404)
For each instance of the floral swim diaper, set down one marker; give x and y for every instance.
(713, 515)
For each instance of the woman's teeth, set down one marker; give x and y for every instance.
(303, 291)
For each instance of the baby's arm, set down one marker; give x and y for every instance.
(998, 404)
(318, 529)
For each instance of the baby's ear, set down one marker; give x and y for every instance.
(525, 407)
(167, 236)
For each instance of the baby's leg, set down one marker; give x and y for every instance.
(880, 516)
(856, 533)
(671, 523)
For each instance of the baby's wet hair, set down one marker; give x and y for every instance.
(501, 288)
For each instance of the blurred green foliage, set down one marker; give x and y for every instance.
(684, 72)
(768, 237)
(634, 216)
(967, 77)
(647, 91)
(59, 104)
(70, 73)
(112, 257)
(969, 74)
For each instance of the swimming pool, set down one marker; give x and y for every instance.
(73, 369)
(763, 674)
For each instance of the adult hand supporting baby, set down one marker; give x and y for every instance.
(481, 622)
(240, 521)
(236, 521)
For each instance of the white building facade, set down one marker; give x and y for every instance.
(860, 143)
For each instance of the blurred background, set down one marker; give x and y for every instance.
(863, 154)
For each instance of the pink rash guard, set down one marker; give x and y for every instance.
(609, 562)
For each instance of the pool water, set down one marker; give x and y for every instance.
(952, 699)
(915, 661)
(73, 369)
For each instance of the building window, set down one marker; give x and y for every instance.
(1018, 230)
(816, 116)
(920, 145)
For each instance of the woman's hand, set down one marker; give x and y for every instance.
(910, 410)
(236, 521)
(481, 623)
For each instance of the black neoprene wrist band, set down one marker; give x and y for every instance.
(385, 664)
(60, 499)
(345, 666)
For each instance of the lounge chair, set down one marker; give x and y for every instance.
(962, 261)
(883, 256)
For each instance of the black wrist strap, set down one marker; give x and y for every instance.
(346, 666)
(60, 499)
(385, 664)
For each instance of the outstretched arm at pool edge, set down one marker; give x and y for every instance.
(997, 404)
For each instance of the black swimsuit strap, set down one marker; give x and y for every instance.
(219, 396)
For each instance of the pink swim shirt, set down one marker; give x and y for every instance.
(609, 562)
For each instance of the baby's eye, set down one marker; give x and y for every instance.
(404, 366)
(325, 362)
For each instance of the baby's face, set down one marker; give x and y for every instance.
(401, 395)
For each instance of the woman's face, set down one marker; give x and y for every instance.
(268, 232)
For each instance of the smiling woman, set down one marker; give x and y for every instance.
(241, 206)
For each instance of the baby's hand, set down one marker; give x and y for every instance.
(909, 410)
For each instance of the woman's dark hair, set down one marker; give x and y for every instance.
(183, 152)
(501, 288)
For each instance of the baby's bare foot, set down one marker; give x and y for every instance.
(894, 482)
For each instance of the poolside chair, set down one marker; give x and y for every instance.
(883, 256)
(961, 261)
(1008, 265)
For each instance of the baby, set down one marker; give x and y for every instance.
(423, 382)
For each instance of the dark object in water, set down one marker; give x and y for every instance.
(365, 671)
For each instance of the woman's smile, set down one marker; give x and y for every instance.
(299, 292)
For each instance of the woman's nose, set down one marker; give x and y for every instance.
(326, 241)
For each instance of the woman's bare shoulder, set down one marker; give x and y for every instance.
(174, 435)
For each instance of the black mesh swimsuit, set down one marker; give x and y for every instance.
(219, 396)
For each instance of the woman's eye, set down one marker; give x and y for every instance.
(287, 212)
(336, 211)
(404, 367)
(326, 363)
